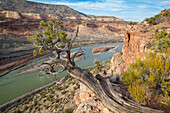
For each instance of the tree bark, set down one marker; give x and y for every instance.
(103, 89)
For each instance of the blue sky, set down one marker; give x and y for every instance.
(129, 10)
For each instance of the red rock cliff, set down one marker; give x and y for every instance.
(133, 46)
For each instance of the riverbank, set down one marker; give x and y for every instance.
(53, 97)
(7, 106)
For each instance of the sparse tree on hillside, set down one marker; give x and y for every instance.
(54, 39)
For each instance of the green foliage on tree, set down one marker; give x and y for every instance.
(150, 76)
(34, 52)
(51, 37)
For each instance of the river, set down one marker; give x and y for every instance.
(12, 87)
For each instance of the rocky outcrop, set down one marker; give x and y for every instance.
(133, 46)
(164, 11)
(117, 64)
(31, 15)
(10, 14)
(87, 101)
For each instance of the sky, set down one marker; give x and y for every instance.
(129, 10)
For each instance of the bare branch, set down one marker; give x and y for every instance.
(54, 73)
(71, 43)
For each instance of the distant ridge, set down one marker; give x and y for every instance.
(24, 6)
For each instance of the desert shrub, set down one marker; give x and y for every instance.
(18, 111)
(70, 79)
(59, 88)
(163, 40)
(161, 43)
(64, 92)
(65, 87)
(72, 93)
(78, 85)
(132, 23)
(57, 100)
(39, 109)
(97, 67)
(73, 82)
(44, 100)
(52, 92)
(35, 103)
(149, 75)
(25, 107)
(158, 18)
(120, 52)
(108, 67)
(137, 92)
(69, 110)
(56, 105)
(51, 96)
(46, 106)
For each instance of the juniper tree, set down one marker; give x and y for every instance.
(53, 38)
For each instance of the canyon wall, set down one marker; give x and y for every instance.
(17, 15)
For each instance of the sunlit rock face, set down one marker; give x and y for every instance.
(10, 14)
(87, 101)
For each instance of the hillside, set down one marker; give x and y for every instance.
(163, 16)
(23, 6)
(18, 9)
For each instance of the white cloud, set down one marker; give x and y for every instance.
(134, 10)
(107, 5)
(165, 3)
(142, 6)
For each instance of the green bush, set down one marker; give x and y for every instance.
(69, 110)
(150, 75)
(162, 43)
(70, 79)
(57, 100)
(44, 100)
(56, 105)
(120, 52)
(73, 82)
(65, 87)
(25, 107)
(64, 92)
(72, 93)
(132, 23)
(157, 18)
(18, 111)
(35, 103)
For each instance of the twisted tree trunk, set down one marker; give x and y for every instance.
(103, 89)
